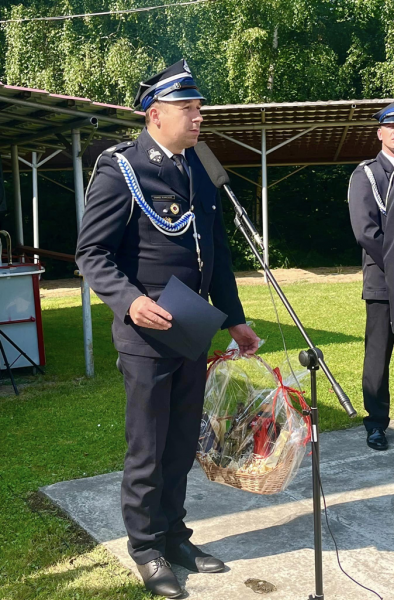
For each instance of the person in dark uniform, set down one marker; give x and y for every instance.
(369, 189)
(128, 248)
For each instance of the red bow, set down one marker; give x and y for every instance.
(217, 356)
(296, 396)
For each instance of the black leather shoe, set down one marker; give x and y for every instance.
(189, 556)
(159, 579)
(376, 439)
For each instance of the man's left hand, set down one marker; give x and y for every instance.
(247, 340)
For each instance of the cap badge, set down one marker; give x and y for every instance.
(186, 67)
(155, 155)
(174, 208)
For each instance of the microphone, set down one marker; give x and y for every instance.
(217, 174)
(220, 178)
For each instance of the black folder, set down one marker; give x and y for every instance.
(194, 320)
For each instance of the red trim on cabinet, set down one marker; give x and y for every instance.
(40, 335)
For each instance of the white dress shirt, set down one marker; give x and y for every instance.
(390, 158)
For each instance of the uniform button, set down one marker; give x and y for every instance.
(192, 207)
(202, 264)
(214, 207)
(199, 236)
(199, 291)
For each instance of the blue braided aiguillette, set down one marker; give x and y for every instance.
(169, 228)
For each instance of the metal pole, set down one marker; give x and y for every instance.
(85, 291)
(36, 234)
(245, 225)
(316, 489)
(17, 196)
(264, 196)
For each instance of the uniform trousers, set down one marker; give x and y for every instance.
(379, 340)
(165, 399)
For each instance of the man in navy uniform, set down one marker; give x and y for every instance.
(128, 254)
(369, 189)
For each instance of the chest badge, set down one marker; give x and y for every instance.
(155, 156)
(174, 208)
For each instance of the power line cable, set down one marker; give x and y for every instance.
(109, 12)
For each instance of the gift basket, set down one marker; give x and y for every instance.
(253, 432)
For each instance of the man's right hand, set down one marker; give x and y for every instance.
(146, 313)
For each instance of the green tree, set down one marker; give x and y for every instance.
(240, 51)
(243, 50)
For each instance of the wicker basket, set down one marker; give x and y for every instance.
(267, 483)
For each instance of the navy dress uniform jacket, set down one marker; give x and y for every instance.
(123, 258)
(388, 254)
(369, 223)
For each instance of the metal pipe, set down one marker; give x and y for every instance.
(45, 160)
(57, 183)
(17, 195)
(227, 137)
(344, 133)
(36, 233)
(140, 124)
(39, 147)
(9, 246)
(85, 291)
(316, 488)
(295, 163)
(287, 176)
(292, 125)
(264, 197)
(24, 161)
(51, 131)
(243, 177)
(251, 148)
(294, 137)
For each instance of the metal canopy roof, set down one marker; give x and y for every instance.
(36, 120)
(297, 133)
(328, 132)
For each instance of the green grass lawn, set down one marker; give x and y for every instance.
(64, 426)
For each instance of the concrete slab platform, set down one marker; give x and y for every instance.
(271, 537)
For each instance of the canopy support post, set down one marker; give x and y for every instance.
(17, 196)
(85, 290)
(264, 196)
(36, 233)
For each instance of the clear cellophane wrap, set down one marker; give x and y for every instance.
(253, 432)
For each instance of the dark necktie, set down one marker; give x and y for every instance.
(180, 163)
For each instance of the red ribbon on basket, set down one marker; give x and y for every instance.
(295, 395)
(217, 356)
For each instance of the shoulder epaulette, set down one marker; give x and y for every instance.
(367, 162)
(111, 151)
(119, 147)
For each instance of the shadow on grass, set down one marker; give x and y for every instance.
(64, 339)
(65, 585)
(73, 554)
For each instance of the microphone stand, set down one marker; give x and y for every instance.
(312, 359)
